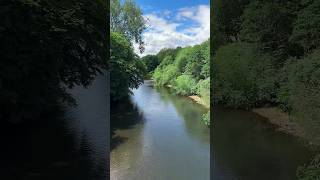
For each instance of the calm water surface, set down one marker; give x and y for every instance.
(69, 143)
(159, 137)
(246, 147)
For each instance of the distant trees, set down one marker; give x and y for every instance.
(187, 71)
(151, 62)
(183, 68)
(47, 47)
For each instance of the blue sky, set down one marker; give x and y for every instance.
(148, 5)
(173, 23)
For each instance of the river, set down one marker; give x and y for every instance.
(68, 143)
(246, 146)
(159, 136)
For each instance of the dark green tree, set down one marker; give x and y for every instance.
(306, 30)
(126, 68)
(151, 62)
(47, 47)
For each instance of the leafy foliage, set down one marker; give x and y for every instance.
(184, 85)
(186, 70)
(127, 70)
(151, 62)
(269, 56)
(126, 18)
(301, 91)
(203, 90)
(306, 31)
(206, 118)
(311, 171)
(46, 47)
(260, 25)
(243, 77)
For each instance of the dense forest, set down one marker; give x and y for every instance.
(48, 47)
(267, 53)
(185, 70)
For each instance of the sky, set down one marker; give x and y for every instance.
(173, 23)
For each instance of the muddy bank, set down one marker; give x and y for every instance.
(199, 100)
(281, 120)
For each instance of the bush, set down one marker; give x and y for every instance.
(311, 171)
(185, 85)
(300, 93)
(203, 90)
(244, 77)
(206, 118)
(166, 75)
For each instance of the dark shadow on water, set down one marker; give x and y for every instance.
(124, 115)
(46, 149)
(116, 141)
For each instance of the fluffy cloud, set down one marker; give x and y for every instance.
(188, 26)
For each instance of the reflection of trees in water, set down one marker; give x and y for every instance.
(189, 111)
(46, 149)
(124, 115)
(240, 136)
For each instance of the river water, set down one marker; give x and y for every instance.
(67, 143)
(159, 136)
(245, 146)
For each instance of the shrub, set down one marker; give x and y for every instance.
(311, 171)
(166, 75)
(203, 90)
(206, 118)
(244, 77)
(300, 93)
(185, 85)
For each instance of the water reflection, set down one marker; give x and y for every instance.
(67, 143)
(245, 146)
(166, 139)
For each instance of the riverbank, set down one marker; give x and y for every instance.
(281, 120)
(199, 100)
(195, 98)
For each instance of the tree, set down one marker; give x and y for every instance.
(151, 62)
(127, 19)
(126, 69)
(269, 23)
(243, 76)
(47, 47)
(306, 30)
(227, 17)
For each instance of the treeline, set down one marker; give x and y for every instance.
(186, 70)
(268, 53)
(46, 48)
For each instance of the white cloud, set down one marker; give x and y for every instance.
(191, 26)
